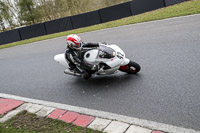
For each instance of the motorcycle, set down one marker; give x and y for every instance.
(109, 58)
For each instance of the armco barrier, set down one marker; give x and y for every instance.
(32, 31)
(86, 19)
(172, 2)
(141, 6)
(58, 25)
(9, 36)
(115, 12)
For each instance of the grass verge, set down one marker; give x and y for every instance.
(182, 9)
(26, 122)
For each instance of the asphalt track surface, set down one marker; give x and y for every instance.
(166, 90)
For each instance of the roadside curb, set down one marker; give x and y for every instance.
(97, 120)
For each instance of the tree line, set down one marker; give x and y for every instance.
(17, 13)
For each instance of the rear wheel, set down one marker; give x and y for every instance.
(131, 68)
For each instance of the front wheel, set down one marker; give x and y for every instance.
(131, 68)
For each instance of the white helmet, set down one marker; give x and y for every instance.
(74, 42)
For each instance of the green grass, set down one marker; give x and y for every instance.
(182, 9)
(26, 122)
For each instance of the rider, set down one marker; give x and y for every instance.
(74, 54)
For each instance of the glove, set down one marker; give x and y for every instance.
(95, 68)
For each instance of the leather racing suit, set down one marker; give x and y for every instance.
(76, 62)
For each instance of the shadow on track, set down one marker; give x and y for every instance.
(110, 81)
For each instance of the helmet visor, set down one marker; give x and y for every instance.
(78, 45)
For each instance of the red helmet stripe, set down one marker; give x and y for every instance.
(74, 40)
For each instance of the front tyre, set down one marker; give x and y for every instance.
(131, 68)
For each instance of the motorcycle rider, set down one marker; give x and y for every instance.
(74, 55)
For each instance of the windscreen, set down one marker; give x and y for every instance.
(106, 52)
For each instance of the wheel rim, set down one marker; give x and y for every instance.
(133, 69)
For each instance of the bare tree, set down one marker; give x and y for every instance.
(19, 12)
(2, 25)
(6, 15)
(46, 8)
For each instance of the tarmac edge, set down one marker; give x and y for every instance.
(106, 115)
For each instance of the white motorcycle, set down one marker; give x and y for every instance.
(109, 58)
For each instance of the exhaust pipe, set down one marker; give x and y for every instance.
(72, 73)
